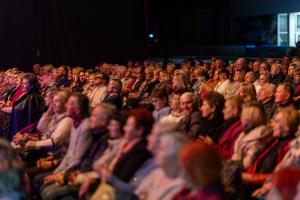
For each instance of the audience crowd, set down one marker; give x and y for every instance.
(198, 130)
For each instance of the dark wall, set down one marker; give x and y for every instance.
(72, 32)
(262, 7)
(180, 24)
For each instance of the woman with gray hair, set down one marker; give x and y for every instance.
(165, 181)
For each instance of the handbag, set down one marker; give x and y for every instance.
(104, 192)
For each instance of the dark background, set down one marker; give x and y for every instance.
(87, 32)
(72, 32)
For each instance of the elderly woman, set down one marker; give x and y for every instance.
(191, 122)
(264, 78)
(165, 181)
(179, 82)
(114, 91)
(31, 132)
(164, 80)
(176, 114)
(224, 82)
(285, 124)
(28, 108)
(54, 125)
(212, 116)
(133, 152)
(233, 88)
(254, 137)
(9, 98)
(247, 92)
(202, 166)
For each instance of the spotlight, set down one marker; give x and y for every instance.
(151, 35)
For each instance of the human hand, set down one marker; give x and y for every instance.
(105, 173)
(71, 181)
(84, 188)
(30, 143)
(259, 192)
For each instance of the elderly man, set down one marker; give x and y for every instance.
(99, 121)
(99, 90)
(277, 75)
(266, 98)
(284, 95)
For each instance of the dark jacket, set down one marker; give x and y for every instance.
(63, 81)
(116, 100)
(26, 110)
(131, 161)
(191, 124)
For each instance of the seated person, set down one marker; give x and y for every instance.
(202, 166)
(254, 137)
(165, 181)
(176, 114)
(28, 108)
(53, 128)
(99, 120)
(285, 123)
(159, 99)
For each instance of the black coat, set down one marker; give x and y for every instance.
(131, 161)
(116, 100)
(26, 110)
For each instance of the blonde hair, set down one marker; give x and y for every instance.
(254, 114)
(290, 116)
(250, 92)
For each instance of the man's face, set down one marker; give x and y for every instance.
(264, 93)
(72, 108)
(281, 95)
(97, 119)
(274, 70)
(61, 71)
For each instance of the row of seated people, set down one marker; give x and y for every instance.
(67, 155)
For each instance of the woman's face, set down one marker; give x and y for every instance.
(19, 81)
(130, 130)
(279, 126)
(291, 70)
(148, 76)
(158, 103)
(114, 129)
(162, 152)
(152, 139)
(48, 99)
(82, 77)
(186, 104)
(228, 110)
(175, 103)
(111, 88)
(162, 77)
(297, 78)
(223, 77)
(206, 110)
(58, 104)
(237, 76)
(262, 80)
(216, 75)
(26, 85)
